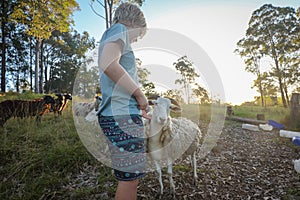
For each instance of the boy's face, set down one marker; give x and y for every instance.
(134, 34)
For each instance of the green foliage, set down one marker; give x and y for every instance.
(273, 32)
(44, 16)
(39, 19)
(175, 94)
(147, 87)
(188, 74)
(66, 57)
(202, 94)
(86, 82)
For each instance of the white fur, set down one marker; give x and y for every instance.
(170, 138)
(88, 109)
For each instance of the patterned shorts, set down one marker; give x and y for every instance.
(125, 137)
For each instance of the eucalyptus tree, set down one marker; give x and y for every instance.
(17, 64)
(41, 18)
(250, 50)
(187, 74)
(148, 87)
(65, 55)
(267, 87)
(109, 6)
(7, 8)
(202, 94)
(274, 33)
(175, 94)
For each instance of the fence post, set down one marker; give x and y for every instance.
(295, 111)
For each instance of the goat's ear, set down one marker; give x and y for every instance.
(175, 108)
(151, 102)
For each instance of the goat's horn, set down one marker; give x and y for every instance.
(173, 101)
(153, 97)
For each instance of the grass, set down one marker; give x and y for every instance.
(37, 161)
(276, 113)
(203, 113)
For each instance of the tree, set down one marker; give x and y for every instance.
(7, 8)
(251, 52)
(175, 94)
(267, 88)
(65, 56)
(109, 6)
(41, 18)
(274, 33)
(147, 87)
(87, 81)
(17, 61)
(188, 74)
(202, 94)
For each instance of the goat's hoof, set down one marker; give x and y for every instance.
(173, 195)
(195, 181)
(159, 195)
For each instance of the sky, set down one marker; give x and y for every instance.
(214, 26)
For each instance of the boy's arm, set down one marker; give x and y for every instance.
(110, 65)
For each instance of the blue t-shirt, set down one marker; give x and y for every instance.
(115, 99)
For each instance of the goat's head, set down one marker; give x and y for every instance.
(68, 96)
(59, 97)
(48, 99)
(97, 102)
(162, 107)
(49, 102)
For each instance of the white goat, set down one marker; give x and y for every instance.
(91, 116)
(87, 109)
(170, 138)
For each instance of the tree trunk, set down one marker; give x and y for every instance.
(280, 83)
(279, 75)
(295, 111)
(261, 93)
(41, 79)
(31, 61)
(278, 71)
(18, 82)
(3, 48)
(110, 7)
(282, 92)
(46, 74)
(37, 60)
(286, 94)
(106, 14)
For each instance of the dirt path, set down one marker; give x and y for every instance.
(243, 165)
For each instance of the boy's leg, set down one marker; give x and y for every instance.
(127, 190)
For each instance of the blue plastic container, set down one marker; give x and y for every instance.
(275, 124)
(296, 140)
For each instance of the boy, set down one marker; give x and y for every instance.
(122, 100)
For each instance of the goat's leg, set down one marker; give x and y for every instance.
(195, 168)
(158, 169)
(170, 172)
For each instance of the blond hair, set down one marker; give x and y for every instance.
(130, 15)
